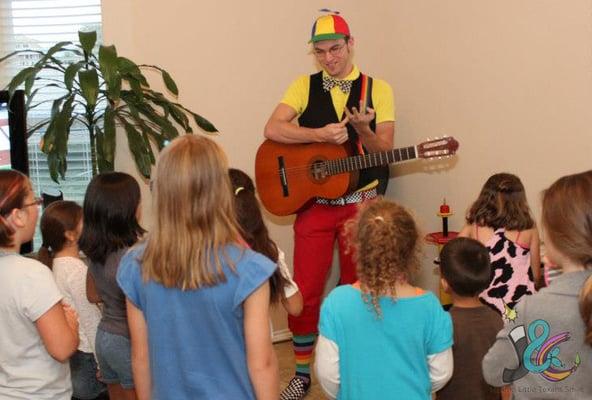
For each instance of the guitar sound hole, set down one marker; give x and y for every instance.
(318, 171)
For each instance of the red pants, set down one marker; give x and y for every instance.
(315, 232)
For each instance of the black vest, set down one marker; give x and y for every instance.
(320, 112)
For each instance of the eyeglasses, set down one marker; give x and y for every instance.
(36, 202)
(334, 51)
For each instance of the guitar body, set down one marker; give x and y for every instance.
(288, 176)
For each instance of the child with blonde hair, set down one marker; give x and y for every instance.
(382, 337)
(61, 226)
(545, 352)
(253, 229)
(38, 332)
(197, 297)
(501, 220)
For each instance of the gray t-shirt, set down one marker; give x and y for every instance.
(27, 371)
(548, 332)
(114, 313)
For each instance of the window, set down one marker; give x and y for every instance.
(38, 24)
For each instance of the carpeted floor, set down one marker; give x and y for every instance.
(286, 362)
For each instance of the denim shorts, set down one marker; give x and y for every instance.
(84, 376)
(115, 359)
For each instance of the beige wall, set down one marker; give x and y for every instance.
(511, 80)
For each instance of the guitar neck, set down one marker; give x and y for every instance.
(370, 160)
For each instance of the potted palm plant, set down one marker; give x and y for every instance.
(101, 90)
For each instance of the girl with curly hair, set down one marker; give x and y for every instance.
(501, 220)
(382, 337)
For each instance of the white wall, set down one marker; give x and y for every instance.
(511, 80)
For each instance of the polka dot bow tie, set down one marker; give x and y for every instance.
(329, 82)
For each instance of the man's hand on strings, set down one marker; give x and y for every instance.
(334, 133)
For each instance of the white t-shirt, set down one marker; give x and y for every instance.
(70, 276)
(27, 371)
(291, 288)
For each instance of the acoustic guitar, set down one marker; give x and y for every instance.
(290, 175)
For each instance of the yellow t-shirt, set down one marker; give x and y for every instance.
(382, 96)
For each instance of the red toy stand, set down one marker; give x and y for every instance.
(440, 239)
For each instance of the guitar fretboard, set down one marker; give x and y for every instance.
(354, 163)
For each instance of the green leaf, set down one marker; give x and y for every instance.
(53, 50)
(138, 149)
(21, 77)
(55, 108)
(89, 84)
(47, 143)
(109, 68)
(136, 88)
(87, 40)
(170, 83)
(204, 123)
(6, 57)
(52, 162)
(30, 98)
(166, 126)
(107, 146)
(130, 70)
(108, 59)
(104, 164)
(37, 127)
(70, 74)
(63, 121)
(29, 82)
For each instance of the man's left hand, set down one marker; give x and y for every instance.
(360, 118)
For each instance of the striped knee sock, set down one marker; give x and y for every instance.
(303, 348)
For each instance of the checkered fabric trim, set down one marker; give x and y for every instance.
(296, 389)
(352, 198)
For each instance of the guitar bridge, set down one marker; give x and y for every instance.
(283, 176)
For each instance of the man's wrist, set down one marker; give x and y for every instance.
(317, 135)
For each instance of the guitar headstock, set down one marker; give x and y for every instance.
(441, 147)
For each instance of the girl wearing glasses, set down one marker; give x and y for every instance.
(38, 332)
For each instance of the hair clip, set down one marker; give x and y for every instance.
(238, 190)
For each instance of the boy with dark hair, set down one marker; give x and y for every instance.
(466, 272)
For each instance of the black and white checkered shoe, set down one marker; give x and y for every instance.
(296, 389)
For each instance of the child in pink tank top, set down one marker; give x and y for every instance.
(500, 219)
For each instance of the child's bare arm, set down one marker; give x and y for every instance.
(140, 356)
(261, 359)
(535, 254)
(91, 290)
(58, 329)
(294, 304)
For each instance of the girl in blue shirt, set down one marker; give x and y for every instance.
(383, 338)
(197, 297)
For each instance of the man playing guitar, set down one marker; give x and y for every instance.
(336, 105)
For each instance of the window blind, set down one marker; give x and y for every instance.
(39, 24)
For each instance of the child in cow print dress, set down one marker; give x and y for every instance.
(500, 219)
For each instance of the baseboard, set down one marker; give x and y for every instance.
(281, 335)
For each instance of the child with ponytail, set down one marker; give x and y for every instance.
(545, 352)
(383, 337)
(61, 226)
(283, 288)
(501, 220)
